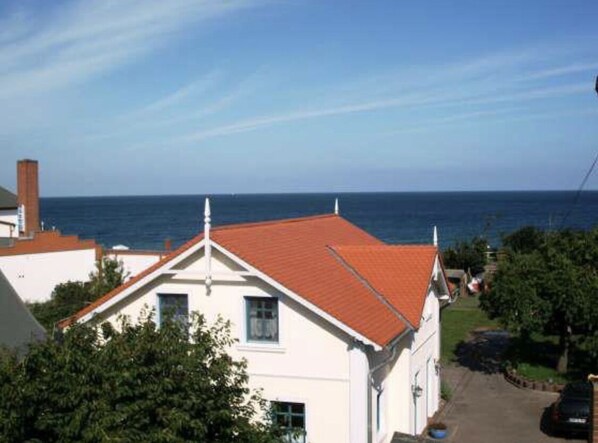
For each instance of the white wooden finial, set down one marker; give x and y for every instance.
(206, 211)
(435, 237)
(336, 211)
(208, 244)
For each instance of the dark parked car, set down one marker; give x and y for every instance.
(571, 412)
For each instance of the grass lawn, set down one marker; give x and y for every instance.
(536, 359)
(458, 320)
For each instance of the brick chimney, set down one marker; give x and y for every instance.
(28, 193)
(593, 436)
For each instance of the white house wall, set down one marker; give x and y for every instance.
(310, 364)
(34, 276)
(133, 263)
(8, 216)
(425, 354)
(397, 377)
(397, 396)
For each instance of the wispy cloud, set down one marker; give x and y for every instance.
(414, 100)
(91, 37)
(193, 89)
(560, 71)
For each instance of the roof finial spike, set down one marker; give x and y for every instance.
(336, 211)
(208, 244)
(206, 212)
(435, 237)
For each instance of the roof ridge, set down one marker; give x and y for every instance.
(389, 246)
(272, 222)
(368, 285)
(2, 188)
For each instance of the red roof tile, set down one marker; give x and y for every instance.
(401, 274)
(297, 254)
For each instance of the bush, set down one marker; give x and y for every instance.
(143, 383)
(469, 256)
(68, 298)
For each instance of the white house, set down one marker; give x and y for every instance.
(135, 261)
(34, 265)
(8, 214)
(338, 328)
(32, 260)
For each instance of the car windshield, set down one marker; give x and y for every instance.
(580, 390)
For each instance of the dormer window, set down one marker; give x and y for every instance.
(262, 319)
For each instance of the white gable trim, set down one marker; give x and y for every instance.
(437, 272)
(142, 282)
(292, 295)
(166, 269)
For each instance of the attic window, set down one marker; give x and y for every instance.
(262, 319)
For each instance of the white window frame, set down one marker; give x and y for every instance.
(261, 346)
(305, 402)
(157, 304)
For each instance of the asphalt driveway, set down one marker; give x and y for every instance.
(485, 407)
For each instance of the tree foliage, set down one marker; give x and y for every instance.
(108, 275)
(525, 240)
(140, 383)
(549, 285)
(466, 255)
(69, 297)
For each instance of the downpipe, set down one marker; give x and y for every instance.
(370, 379)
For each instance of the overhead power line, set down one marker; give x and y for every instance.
(578, 193)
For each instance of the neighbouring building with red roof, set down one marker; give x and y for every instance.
(34, 261)
(339, 329)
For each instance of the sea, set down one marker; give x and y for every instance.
(144, 222)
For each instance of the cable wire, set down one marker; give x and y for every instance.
(578, 193)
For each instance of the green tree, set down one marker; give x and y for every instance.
(550, 288)
(525, 240)
(466, 255)
(68, 298)
(138, 383)
(109, 274)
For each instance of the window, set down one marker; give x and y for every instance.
(262, 319)
(291, 417)
(175, 307)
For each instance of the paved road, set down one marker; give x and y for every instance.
(485, 408)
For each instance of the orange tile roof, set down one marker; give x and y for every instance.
(47, 241)
(401, 274)
(297, 254)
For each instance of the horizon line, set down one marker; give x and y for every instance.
(229, 194)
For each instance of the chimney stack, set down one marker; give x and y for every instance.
(28, 194)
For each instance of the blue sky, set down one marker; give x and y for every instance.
(129, 97)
